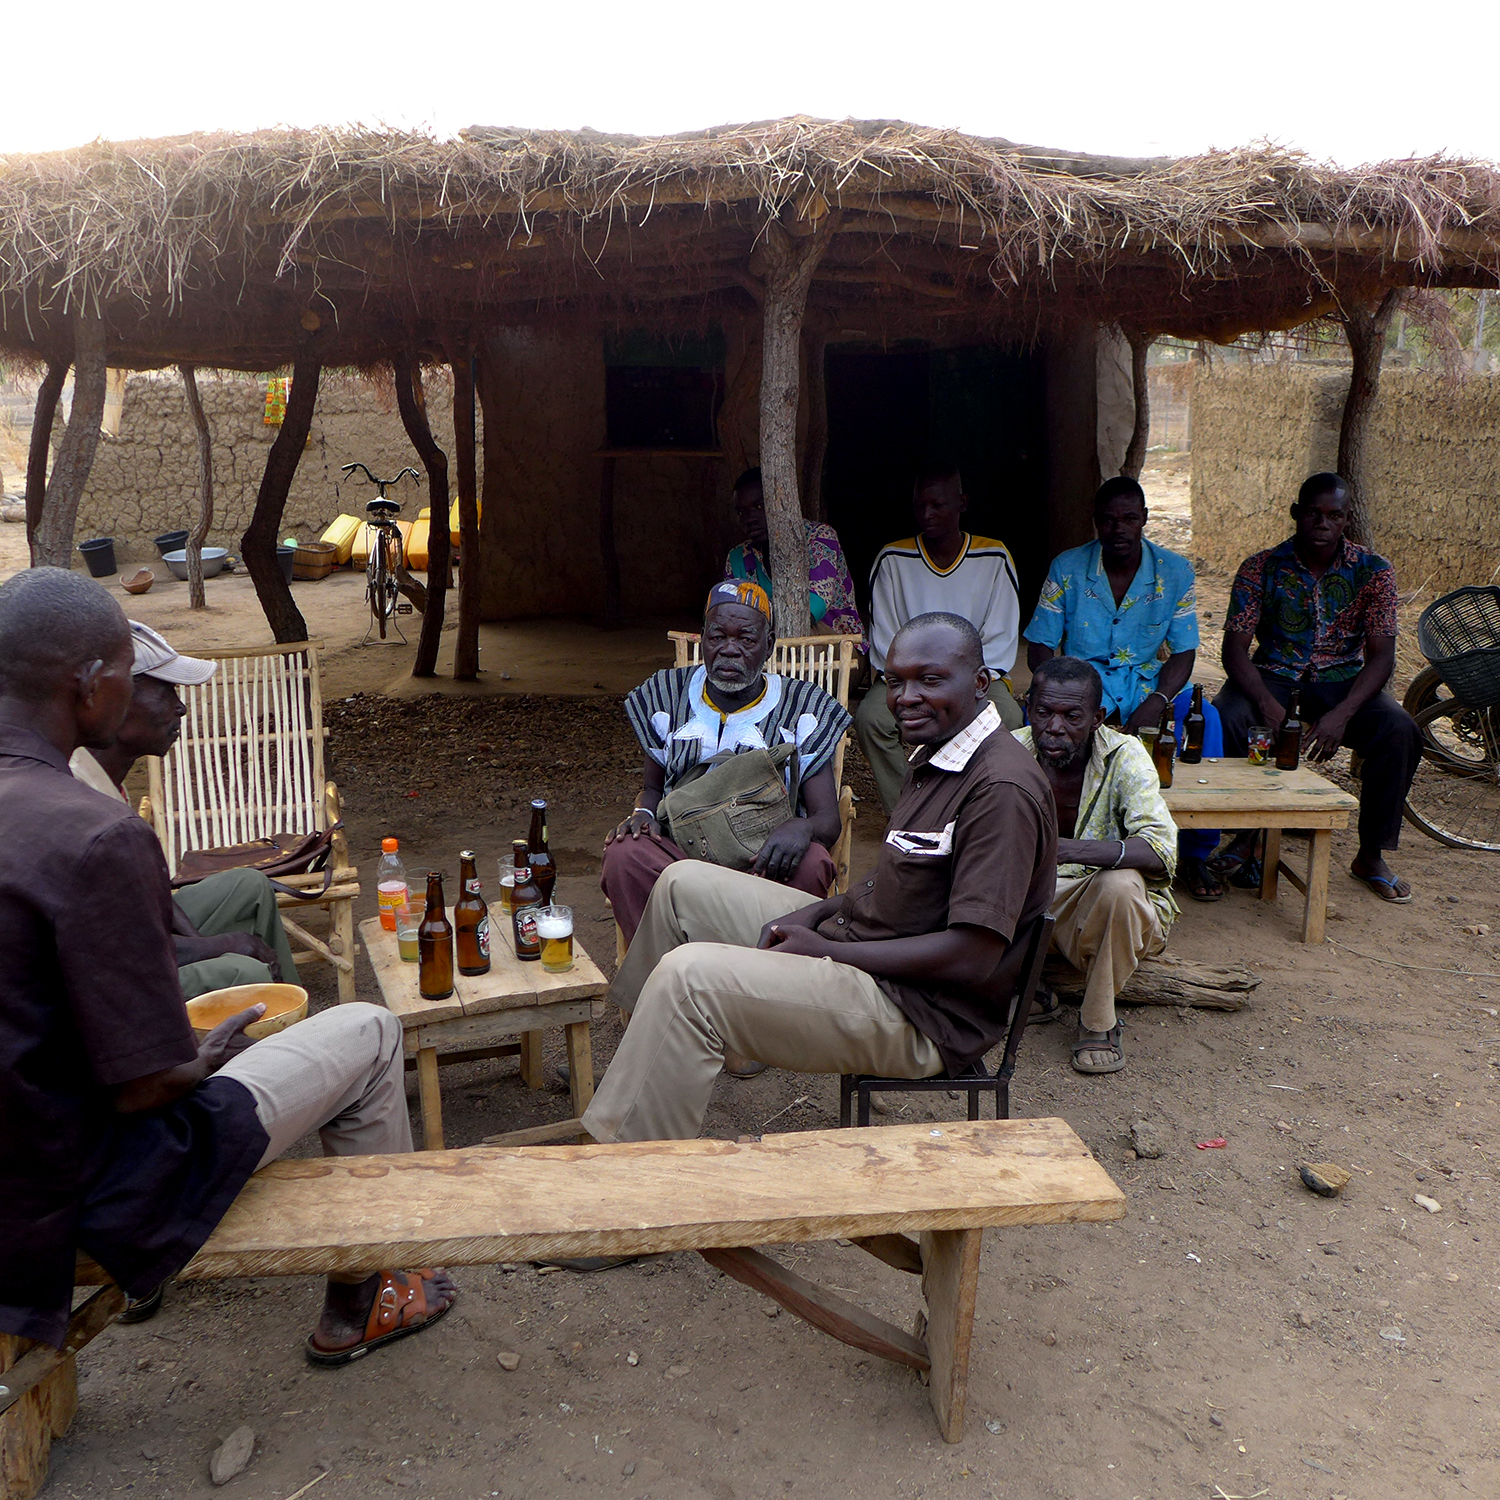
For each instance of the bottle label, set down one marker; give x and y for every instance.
(482, 935)
(471, 887)
(526, 933)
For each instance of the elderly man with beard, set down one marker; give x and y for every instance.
(686, 716)
(1116, 849)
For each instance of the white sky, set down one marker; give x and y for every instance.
(1350, 80)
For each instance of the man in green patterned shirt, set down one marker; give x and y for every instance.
(1116, 848)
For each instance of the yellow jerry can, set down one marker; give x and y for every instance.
(341, 532)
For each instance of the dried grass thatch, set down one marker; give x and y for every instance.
(215, 247)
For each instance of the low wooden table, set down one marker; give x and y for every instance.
(1233, 794)
(514, 1000)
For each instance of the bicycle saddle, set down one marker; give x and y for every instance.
(383, 508)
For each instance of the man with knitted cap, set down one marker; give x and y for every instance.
(226, 928)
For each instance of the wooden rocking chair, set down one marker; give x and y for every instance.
(249, 764)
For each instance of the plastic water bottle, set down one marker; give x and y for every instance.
(390, 884)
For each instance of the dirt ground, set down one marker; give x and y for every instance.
(1234, 1336)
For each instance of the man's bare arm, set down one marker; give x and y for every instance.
(961, 956)
(1245, 675)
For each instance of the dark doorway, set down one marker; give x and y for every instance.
(891, 411)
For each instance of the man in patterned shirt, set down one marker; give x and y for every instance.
(1324, 613)
(830, 589)
(1116, 849)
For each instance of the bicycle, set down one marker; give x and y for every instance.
(1455, 795)
(385, 566)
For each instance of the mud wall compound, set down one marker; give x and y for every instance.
(1434, 465)
(145, 480)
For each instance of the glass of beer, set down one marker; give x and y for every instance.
(1259, 740)
(507, 887)
(406, 933)
(554, 925)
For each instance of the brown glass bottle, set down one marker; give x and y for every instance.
(1193, 725)
(1164, 747)
(471, 920)
(526, 901)
(1289, 737)
(435, 945)
(542, 864)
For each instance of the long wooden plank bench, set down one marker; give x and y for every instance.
(943, 1183)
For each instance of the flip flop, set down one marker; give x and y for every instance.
(1051, 1007)
(1385, 889)
(1111, 1043)
(1189, 869)
(399, 1309)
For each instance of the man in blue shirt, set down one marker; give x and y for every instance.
(1114, 603)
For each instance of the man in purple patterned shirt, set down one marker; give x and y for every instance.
(830, 589)
(1324, 613)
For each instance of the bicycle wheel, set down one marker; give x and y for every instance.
(380, 586)
(1455, 795)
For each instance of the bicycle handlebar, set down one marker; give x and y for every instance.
(381, 484)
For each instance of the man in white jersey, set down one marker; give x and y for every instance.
(941, 570)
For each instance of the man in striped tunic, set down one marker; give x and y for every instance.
(730, 703)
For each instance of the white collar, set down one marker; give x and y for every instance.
(957, 752)
(717, 731)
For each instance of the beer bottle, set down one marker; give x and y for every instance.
(542, 865)
(1289, 737)
(435, 945)
(471, 920)
(1164, 747)
(1193, 725)
(526, 902)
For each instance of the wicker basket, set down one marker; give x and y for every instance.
(315, 560)
(1460, 635)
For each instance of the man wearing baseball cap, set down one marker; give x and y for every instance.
(226, 927)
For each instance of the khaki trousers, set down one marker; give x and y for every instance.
(233, 901)
(875, 725)
(696, 984)
(1106, 925)
(340, 1072)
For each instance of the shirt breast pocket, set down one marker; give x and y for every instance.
(930, 845)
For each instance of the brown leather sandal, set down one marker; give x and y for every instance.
(399, 1308)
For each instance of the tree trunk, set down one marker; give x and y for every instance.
(813, 504)
(412, 403)
(75, 454)
(199, 534)
(1140, 434)
(41, 445)
(789, 264)
(258, 544)
(1366, 330)
(465, 446)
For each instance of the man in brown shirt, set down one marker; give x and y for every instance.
(910, 973)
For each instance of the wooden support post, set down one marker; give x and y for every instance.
(531, 1059)
(412, 404)
(580, 1065)
(950, 1283)
(258, 544)
(608, 552)
(53, 544)
(1140, 434)
(429, 1091)
(788, 261)
(824, 1310)
(465, 451)
(898, 1250)
(814, 505)
(1315, 907)
(41, 446)
(199, 533)
(1366, 330)
(1270, 864)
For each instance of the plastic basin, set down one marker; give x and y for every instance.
(213, 561)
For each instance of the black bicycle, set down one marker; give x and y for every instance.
(386, 562)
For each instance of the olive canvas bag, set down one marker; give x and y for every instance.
(724, 809)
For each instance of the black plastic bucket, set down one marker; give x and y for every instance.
(99, 554)
(171, 541)
(286, 556)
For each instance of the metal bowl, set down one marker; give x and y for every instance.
(213, 561)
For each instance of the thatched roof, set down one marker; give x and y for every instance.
(223, 249)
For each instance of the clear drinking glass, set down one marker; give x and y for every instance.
(1259, 740)
(507, 885)
(406, 933)
(554, 925)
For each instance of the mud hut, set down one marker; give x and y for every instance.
(639, 318)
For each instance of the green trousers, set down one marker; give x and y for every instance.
(879, 738)
(234, 901)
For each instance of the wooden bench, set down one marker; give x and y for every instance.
(942, 1183)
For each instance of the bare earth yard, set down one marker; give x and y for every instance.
(1235, 1336)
